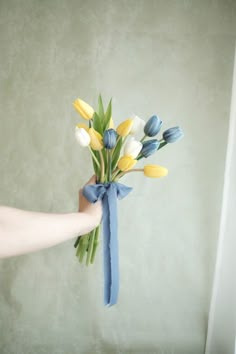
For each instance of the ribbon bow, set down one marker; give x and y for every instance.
(108, 194)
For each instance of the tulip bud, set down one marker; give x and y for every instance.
(96, 139)
(155, 171)
(109, 138)
(126, 163)
(83, 125)
(133, 147)
(82, 136)
(172, 135)
(149, 147)
(111, 124)
(138, 125)
(153, 126)
(84, 109)
(124, 128)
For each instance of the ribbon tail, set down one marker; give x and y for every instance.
(114, 250)
(110, 242)
(106, 250)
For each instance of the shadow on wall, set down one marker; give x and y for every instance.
(104, 347)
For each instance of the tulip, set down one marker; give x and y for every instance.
(149, 147)
(83, 125)
(172, 135)
(153, 126)
(96, 139)
(82, 136)
(126, 163)
(155, 171)
(138, 125)
(124, 128)
(84, 109)
(109, 138)
(133, 147)
(111, 124)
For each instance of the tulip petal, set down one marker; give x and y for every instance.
(124, 128)
(153, 126)
(126, 163)
(155, 171)
(172, 135)
(83, 108)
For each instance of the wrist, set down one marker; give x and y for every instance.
(91, 221)
(95, 219)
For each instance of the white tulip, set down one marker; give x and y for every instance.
(138, 125)
(133, 147)
(82, 136)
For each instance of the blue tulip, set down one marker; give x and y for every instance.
(149, 147)
(109, 138)
(172, 135)
(153, 126)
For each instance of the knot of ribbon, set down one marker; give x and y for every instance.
(108, 193)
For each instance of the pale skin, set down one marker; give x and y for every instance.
(24, 231)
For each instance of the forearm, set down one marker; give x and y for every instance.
(25, 231)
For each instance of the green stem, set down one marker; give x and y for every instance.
(77, 241)
(109, 164)
(115, 174)
(82, 247)
(78, 249)
(95, 244)
(133, 170)
(124, 140)
(143, 138)
(90, 248)
(94, 157)
(102, 167)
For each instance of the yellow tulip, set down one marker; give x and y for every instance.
(84, 126)
(126, 162)
(96, 139)
(155, 171)
(84, 109)
(125, 127)
(111, 124)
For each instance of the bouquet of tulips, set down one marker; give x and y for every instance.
(115, 152)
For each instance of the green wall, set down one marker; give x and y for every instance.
(173, 58)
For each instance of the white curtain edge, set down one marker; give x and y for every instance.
(221, 238)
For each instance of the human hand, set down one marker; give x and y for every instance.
(93, 210)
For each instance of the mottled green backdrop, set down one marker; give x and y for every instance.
(173, 58)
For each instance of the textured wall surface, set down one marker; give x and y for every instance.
(173, 58)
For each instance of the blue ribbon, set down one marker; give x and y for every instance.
(108, 194)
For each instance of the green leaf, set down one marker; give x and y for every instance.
(162, 145)
(97, 123)
(108, 114)
(100, 107)
(116, 154)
